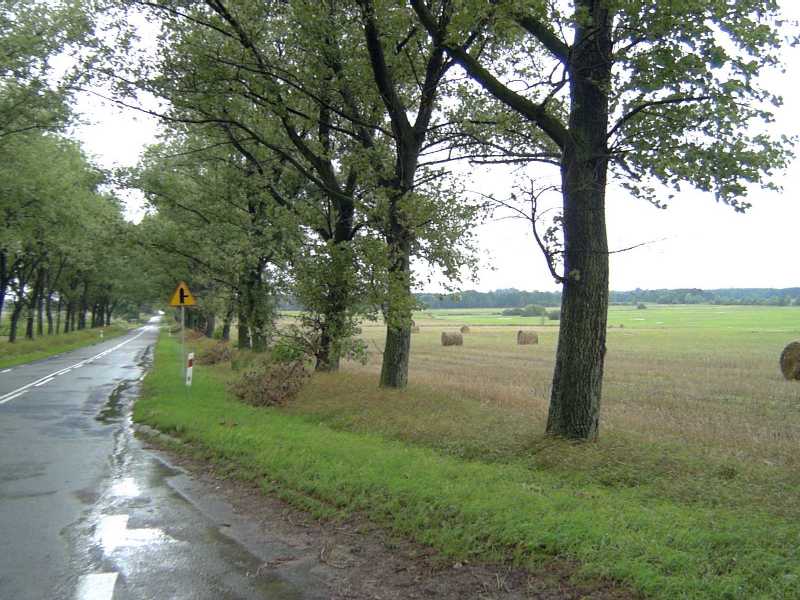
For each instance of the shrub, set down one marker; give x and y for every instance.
(220, 352)
(271, 383)
(532, 310)
(554, 315)
(641, 306)
(242, 359)
(289, 349)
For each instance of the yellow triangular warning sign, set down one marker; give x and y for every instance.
(182, 296)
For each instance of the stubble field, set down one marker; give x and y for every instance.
(693, 396)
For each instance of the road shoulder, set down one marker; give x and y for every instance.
(353, 558)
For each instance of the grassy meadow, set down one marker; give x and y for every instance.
(691, 491)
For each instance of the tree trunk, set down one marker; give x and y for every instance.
(58, 315)
(243, 331)
(84, 307)
(4, 280)
(397, 349)
(226, 322)
(255, 302)
(15, 314)
(33, 305)
(48, 306)
(211, 325)
(40, 302)
(337, 297)
(577, 379)
(29, 321)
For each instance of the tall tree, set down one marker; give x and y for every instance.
(32, 33)
(215, 220)
(653, 92)
(283, 83)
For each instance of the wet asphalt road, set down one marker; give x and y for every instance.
(87, 513)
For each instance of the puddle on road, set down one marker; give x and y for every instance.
(125, 488)
(114, 407)
(112, 532)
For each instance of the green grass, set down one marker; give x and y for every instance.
(655, 316)
(471, 478)
(24, 351)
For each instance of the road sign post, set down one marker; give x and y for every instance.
(183, 341)
(183, 297)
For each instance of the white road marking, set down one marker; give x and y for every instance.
(6, 371)
(96, 586)
(41, 383)
(12, 397)
(42, 380)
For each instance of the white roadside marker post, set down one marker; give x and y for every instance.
(189, 365)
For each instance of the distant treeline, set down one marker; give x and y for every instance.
(518, 298)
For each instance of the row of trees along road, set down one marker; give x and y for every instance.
(64, 260)
(313, 142)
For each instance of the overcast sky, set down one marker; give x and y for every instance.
(695, 242)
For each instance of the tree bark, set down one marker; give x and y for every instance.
(397, 349)
(337, 295)
(30, 320)
(210, 325)
(34, 304)
(40, 302)
(15, 314)
(242, 329)
(226, 322)
(48, 307)
(84, 306)
(58, 315)
(4, 280)
(577, 379)
(255, 300)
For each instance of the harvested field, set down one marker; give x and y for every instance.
(705, 379)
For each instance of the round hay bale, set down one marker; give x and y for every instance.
(525, 338)
(415, 329)
(465, 329)
(452, 339)
(790, 361)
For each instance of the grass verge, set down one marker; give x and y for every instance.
(24, 351)
(469, 509)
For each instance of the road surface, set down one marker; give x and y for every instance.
(87, 513)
